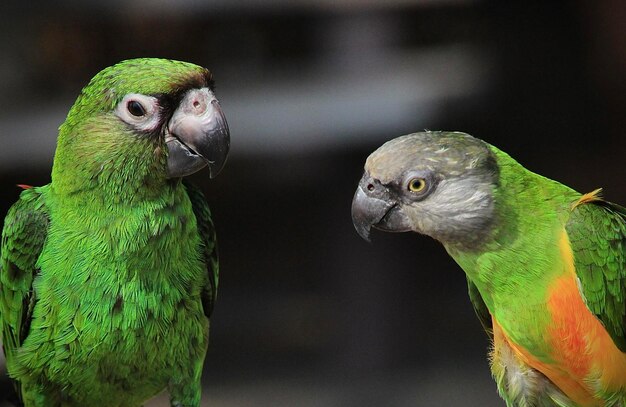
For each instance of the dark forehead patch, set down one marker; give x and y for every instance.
(197, 80)
(170, 100)
(448, 154)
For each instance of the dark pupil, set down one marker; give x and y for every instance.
(417, 184)
(135, 108)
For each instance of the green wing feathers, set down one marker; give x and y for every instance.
(597, 234)
(209, 241)
(23, 236)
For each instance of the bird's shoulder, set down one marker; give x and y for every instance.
(597, 234)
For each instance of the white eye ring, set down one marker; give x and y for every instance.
(131, 107)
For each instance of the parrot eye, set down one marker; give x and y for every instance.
(417, 185)
(139, 111)
(135, 108)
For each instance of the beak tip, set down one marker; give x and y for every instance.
(216, 166)
(363, 229)
(366, 236)
(361, 225)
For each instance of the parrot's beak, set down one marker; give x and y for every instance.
(372, 206)
(197, 135)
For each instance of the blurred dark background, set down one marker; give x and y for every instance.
(308, 313)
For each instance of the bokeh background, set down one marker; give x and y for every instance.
(308, 313)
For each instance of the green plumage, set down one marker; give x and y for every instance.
(109, 273)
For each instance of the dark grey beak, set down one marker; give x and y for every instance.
(366, 212)
(197, 135)
(373, 206)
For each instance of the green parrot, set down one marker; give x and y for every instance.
(545, 265)
(109, 273)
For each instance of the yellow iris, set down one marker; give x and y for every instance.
(417, 185)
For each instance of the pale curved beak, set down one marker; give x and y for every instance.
(197, 135)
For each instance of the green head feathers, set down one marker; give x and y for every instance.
(139, 123)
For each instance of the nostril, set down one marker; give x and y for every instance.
(370, 187)
(198, 105)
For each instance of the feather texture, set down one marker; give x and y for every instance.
(109, 273)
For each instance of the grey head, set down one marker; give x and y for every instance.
(434, 183)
